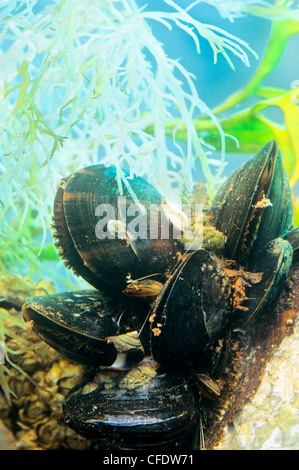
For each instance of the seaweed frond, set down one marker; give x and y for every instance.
(84, 82)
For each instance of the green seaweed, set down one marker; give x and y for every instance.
(249, 126)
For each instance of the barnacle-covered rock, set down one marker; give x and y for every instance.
(258, 405)
(32, 411)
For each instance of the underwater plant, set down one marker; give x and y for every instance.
(89, 82)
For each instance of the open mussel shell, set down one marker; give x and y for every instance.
(192, 311)
(161, 414)
(99, 234)
(254, 205)
(77, 324)
(274, 263)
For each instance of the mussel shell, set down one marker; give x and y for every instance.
(274, 262)
(293, 238)
(105, 263)
(76, 324)
(160, 414)
(238, 207)
(192, 311)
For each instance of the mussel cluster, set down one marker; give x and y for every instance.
(153, 325)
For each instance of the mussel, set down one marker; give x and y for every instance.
(203, 295)
(192, 311)
(98, 233)
(274, 261)
(82, 325)
(293, 238)
(254, 205)
(160, 414)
